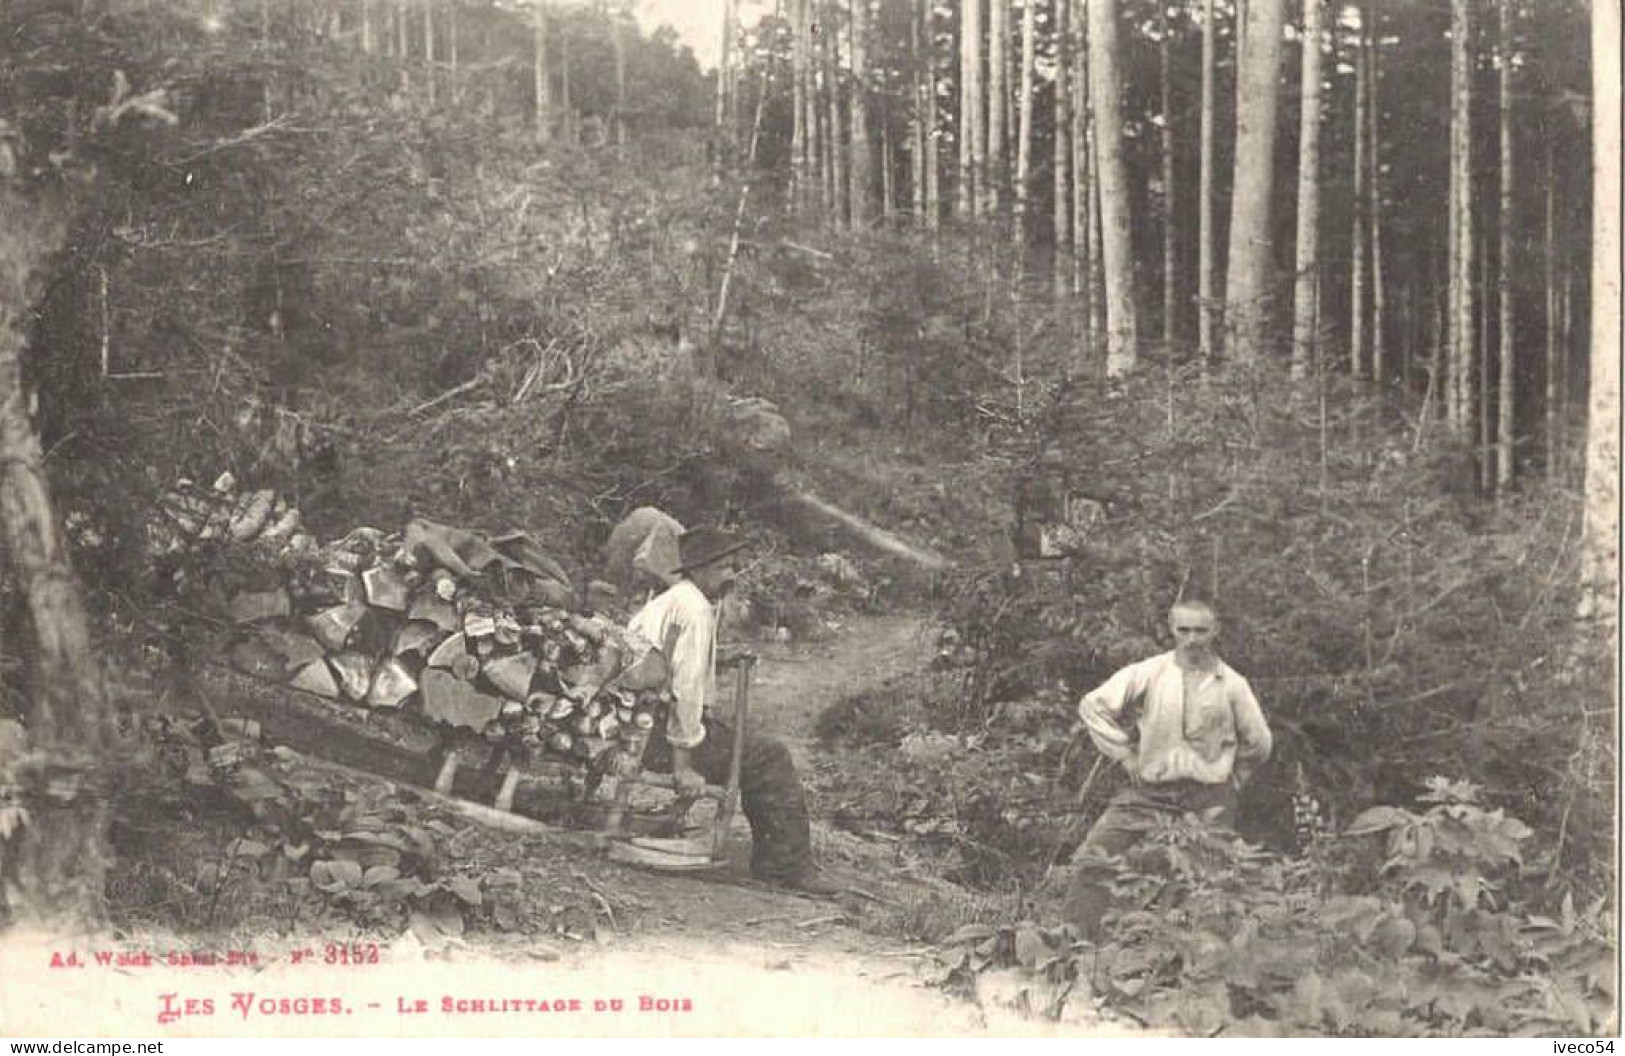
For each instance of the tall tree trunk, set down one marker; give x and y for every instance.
(975, 15)
(543, 90)
(1565, 348)
(998, 103)
(840, 196)
(798, 95)
(1554, 436)
(1379, 303)
(725, 73)
(1122, 325)
(1207, 301)
(1095, 278)
(1486, 408)
(1507, 385)
(1061, 271)
(824, 128)
(933, 156)
(618, 42)
(1082, 166)
(916, 118)
(403, 44)
(1600, 541)
(1438, 349)
(1462, 344)
(818, 119)
(887, 191)
(863, 162)
(567, 109)
(1024, 132)
(59, 857)
(1357, 212)
(1170, 243)
(428, 48)
(1306, 263)
(970, 40)
(1247, 286)
(368, 44)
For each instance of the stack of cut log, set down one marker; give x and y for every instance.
(378, 620)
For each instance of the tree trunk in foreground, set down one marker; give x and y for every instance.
(1247, 284)
(1306, 266)
(1116, 225)
(1170, 241)
(1207, 307)
(1600, 541)
(1061, 185)
(1459, 361)
(1357, 216)
(1505, 395)
(862, 193)
(1024, 133)
(61, 853)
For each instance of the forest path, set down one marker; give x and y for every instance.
(792, 685)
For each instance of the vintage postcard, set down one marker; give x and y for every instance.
(813, 518)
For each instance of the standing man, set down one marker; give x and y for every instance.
(681, 624)
(1189, 732)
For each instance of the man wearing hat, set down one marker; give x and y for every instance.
(681, 624)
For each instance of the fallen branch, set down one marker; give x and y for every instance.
(246, 136)
(449, 394)
(871, 534)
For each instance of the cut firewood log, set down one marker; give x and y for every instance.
(281, 529)
(479, 624)
(354, 672)
(257, 606)
(430, 606)
(511, 674)
(316, 677)
(296, 650)
(450, 700)
(447, 651)
(385, 589)
(392, 683)
(332, 627)
(417, 637)
(250, 515)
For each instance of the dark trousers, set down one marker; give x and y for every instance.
(769, 790)
(1131, 814)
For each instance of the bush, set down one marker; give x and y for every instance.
(1210, 935)
(1389, 628)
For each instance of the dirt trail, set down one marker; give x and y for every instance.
(793, 685)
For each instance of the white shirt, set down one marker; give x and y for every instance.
(1196, 726)
(681, 622)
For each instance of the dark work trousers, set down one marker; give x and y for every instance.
(769, 790)
(1131, 814)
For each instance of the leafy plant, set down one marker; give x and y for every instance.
(1209, 934)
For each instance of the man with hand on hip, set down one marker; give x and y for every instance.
(1188, 731)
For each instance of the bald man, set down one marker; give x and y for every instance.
(1189, 732)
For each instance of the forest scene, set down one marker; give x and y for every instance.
(994, 328)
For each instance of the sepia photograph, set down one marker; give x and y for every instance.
(540, 519)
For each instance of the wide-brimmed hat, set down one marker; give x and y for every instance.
(698, 547)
